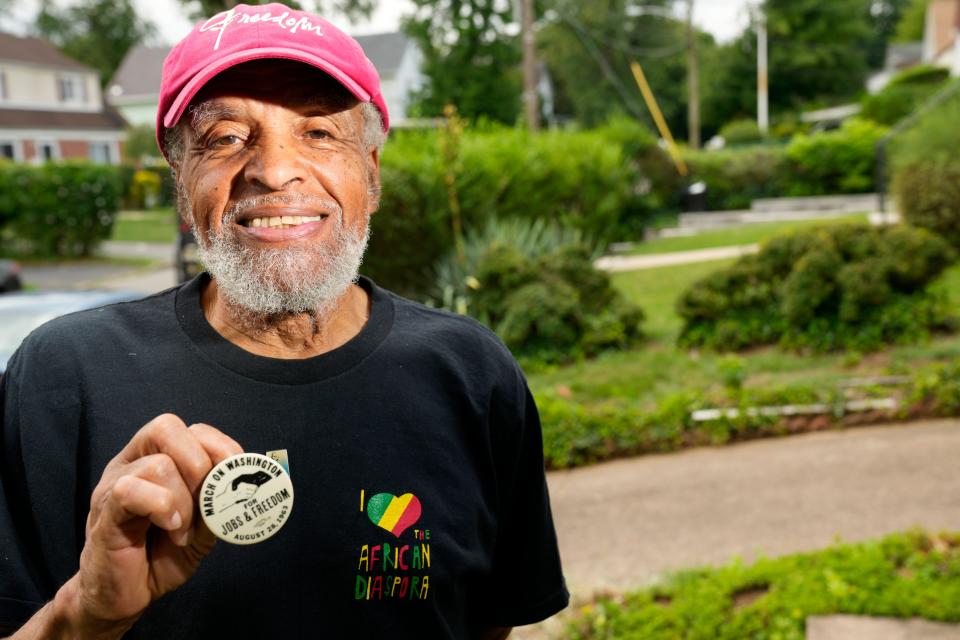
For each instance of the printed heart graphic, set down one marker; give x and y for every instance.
(396, 514)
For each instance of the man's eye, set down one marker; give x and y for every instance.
(225, 141)
(318, 134)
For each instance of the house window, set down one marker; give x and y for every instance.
(47, 150)
(3, 86)
(10, 150)
(71, 88)
(100, 152)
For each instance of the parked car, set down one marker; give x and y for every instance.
(188, 260)
(9, 276)
(24, 311)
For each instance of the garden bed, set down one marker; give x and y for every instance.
(913, 574)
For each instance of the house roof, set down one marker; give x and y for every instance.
(139, 73)
(106, 120)
(35, 51)
(385, 50)
(901, 56)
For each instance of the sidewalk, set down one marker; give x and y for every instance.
(632, 263)
(624, 523)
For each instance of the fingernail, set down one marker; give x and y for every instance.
(176, 521)
(182, 539)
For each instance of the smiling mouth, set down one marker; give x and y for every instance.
(281, 222)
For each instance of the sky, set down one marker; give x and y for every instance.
(725, 19)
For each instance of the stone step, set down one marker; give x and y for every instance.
(850, 203)
(866, 628)
(699, 220)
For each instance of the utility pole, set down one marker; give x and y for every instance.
(693, 82)
(531, 104)
(763, 104)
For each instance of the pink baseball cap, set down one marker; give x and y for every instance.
(246, 33)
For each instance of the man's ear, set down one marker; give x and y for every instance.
(373, 178)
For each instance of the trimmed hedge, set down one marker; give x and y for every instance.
(736, 177)
(580, 179)
(827, 162)
(831, 162)
(904, 575)
(57, 209)
(828, 288)
(905, 92)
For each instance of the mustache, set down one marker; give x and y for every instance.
(326, 205)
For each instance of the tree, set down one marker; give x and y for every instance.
(353, 9)
(97, 33)
(818, 54)
(885, 15)
(588, 47)
(912, 22)
(471, 58)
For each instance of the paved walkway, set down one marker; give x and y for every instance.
(862, 628)
(623, 523)
(83, 274)
(632, 263)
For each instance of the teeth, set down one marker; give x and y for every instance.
(282, 221)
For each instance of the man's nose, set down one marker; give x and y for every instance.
(275, 163)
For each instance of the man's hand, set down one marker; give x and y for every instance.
(142, 539)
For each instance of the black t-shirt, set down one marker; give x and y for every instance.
(420, 402)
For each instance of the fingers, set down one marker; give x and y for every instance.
(150, 487)
(136, 497)
(174, 458)
(169, 435)
(217, 444)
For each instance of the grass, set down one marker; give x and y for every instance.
(641, 376)
(159, 225)
(745, 234)
(905, 575)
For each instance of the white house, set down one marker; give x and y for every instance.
(134, 89)
(51, 107)
(941, 36)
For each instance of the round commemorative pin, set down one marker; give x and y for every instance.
(246, 498)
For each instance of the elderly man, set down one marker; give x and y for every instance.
(412, 443)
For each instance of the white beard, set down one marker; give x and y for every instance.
(300, 279)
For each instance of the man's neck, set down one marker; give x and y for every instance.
(289, 336)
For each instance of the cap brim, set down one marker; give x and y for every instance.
(197, 82)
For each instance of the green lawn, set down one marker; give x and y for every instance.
(642, 375)
(746, 234)
(145, 226)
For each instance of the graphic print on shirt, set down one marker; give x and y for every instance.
(395, 567)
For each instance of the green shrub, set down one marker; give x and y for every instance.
(61, 209)
(904, 575)
(839, 161)
(553, 309)
(578, 179)
(736, 177)
(535, 284)
(935, 136)
(741, 132)
(843, 286)
(928, 196)
(926, 170)
(906, 91)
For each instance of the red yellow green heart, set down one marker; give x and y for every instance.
(394, 513)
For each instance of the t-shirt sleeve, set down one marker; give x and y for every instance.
(20, 592)
(526, 584)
